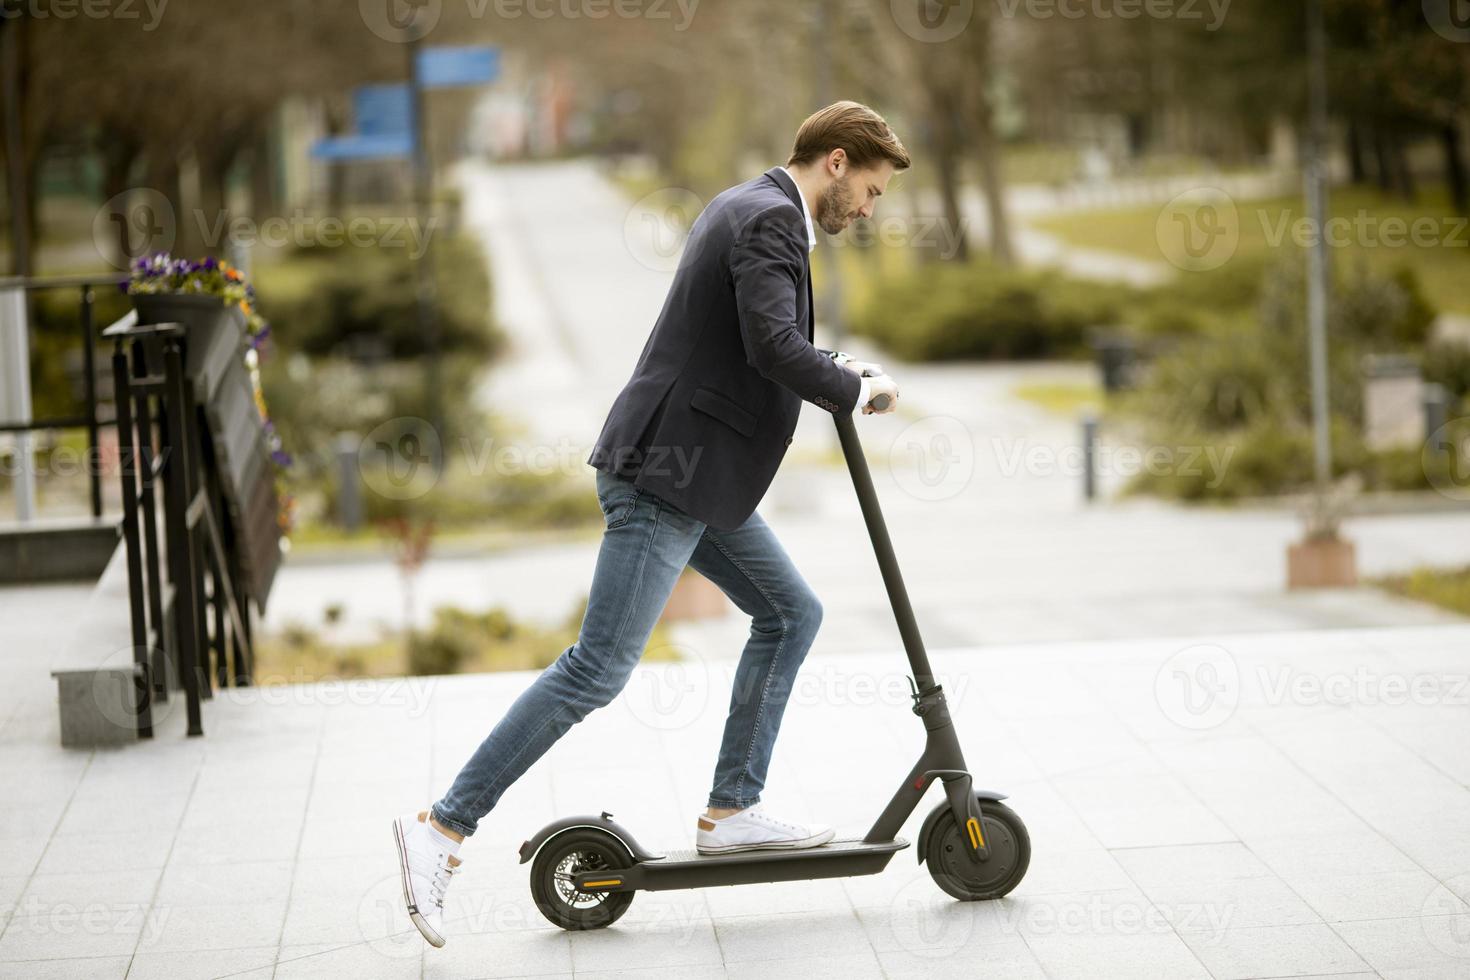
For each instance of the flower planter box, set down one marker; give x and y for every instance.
(1321, 563)
(214, 334)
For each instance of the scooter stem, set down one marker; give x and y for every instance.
(898, 596)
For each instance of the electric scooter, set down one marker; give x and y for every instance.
(585, 870)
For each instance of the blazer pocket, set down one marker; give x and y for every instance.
(716, 405)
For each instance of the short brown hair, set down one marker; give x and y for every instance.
(853, 127)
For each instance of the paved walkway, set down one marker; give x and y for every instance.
(1222, 805)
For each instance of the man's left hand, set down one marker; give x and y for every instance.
(863, 369)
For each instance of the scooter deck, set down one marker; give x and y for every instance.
(689, 869)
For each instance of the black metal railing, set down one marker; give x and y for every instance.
(187, 581)
(89, 419)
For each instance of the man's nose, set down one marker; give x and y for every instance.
(866, 211)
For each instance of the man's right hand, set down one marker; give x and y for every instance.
(881, 384)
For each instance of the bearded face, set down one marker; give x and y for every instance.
(835, 209)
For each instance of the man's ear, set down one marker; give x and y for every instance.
(836, 161)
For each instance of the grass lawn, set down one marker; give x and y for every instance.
(1448, 588)
(1371, 221)
(1069, 400)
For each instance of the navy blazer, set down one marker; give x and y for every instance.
(708, 414)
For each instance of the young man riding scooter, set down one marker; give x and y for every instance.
(688, 450)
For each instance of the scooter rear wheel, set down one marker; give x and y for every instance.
(947, 854)
(570, 854)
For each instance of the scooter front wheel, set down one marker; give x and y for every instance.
(560, 860)
(947, 854)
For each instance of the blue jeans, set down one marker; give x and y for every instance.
(647, 543)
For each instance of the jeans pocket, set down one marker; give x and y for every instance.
(617, 505)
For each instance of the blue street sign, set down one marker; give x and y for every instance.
(363, 148)
(446, 66)
(383, 110)
(384, 116)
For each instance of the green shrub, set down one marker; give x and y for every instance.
(1243, 385)
(1447, 362)
(976, 310)
(360, 301)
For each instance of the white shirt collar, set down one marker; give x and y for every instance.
(811, 229)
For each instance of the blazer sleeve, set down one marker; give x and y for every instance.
(767, 263)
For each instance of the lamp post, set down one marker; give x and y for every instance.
(1322, 558)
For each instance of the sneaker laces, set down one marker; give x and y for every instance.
(439, 884)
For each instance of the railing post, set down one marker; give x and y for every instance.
(177, 460)
(89, 365)
(15, 393)
(128, 470)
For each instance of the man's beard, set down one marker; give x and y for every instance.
(834, 206)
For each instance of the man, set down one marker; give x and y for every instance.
(688, 450)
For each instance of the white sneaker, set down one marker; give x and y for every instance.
(754, 830)
(426, 866)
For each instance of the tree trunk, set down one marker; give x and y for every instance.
(1403, 174)
(17, 180)
(163, 178)
(987, 158)
(1357, 167)
(118, 153)
(1382, 162)
(1454, 167)
(264, 192)
(944, 144)
(980, 115)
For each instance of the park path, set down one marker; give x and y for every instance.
(981, 488)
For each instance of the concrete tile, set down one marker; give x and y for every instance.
(511, 953)
(94, 968)
(1274, 951)
(66, 931)
(136, 813)
(353, 960)
(224, 884)
(189, 928)
(935, 924)
(118, 888)
(1072, 871)
(858, 966)
(274, 839)
(778, 898)
(1213, 906)
(19, 855)
(1130, 957)
(749, 938)
(1156, 866)
(237, 964)
(1426, 946)
(1325, 855)
(82, 853)
(668, 973)
(992, 961)
(1387, 894)
(639, 946)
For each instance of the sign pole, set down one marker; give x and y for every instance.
(423, 192)
(1317, 269)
